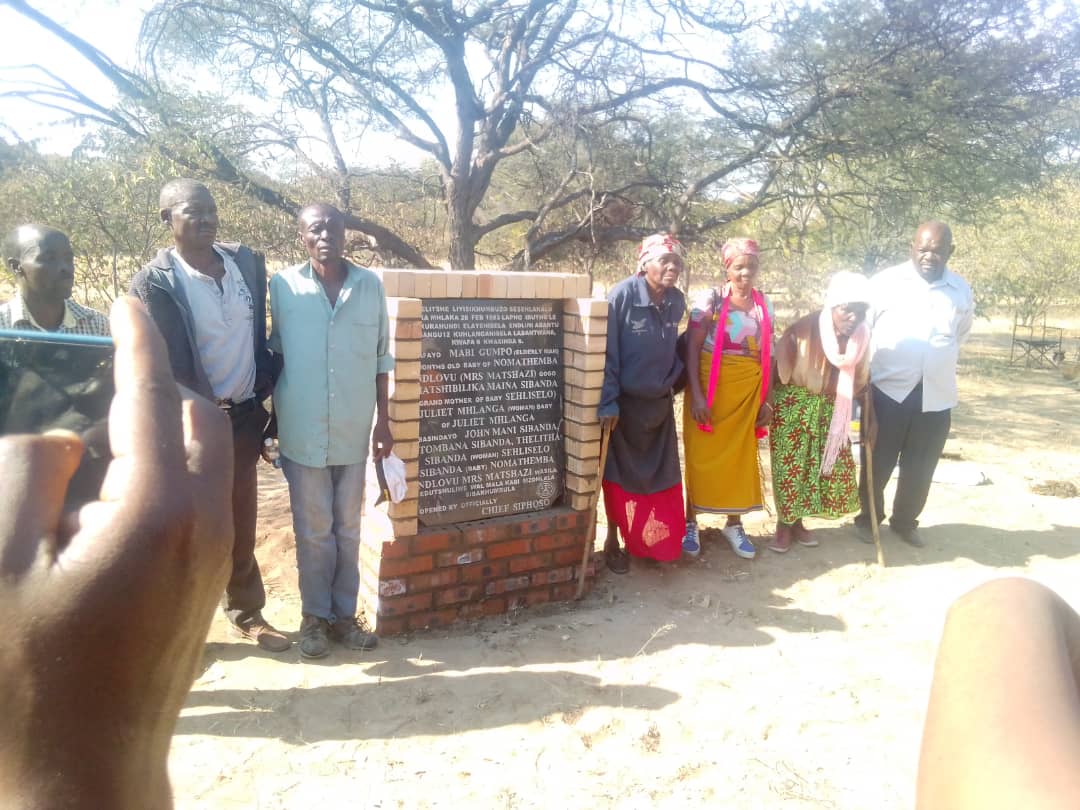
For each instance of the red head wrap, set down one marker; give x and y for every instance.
(737, 247)
(657, 245)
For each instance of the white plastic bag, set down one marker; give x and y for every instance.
(394, 470)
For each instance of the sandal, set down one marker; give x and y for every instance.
(618, 561)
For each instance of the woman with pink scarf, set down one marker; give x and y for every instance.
(822, 364)
(728, 404)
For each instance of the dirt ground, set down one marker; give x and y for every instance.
(795, 681)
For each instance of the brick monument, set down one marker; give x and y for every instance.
(493, 410)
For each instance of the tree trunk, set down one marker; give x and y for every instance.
(460, 224)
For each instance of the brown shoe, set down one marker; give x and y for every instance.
(781, 542)
(803, 536)
(349, 633)
(264, 634)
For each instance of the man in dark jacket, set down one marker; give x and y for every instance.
(208, 299)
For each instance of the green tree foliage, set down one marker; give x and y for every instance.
(108, 207)
(952, 108)
(1027, 259)
(105, 196)
(556, 128)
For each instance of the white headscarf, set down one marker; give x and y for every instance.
(844, 288)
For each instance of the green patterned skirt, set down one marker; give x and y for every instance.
(799, 429)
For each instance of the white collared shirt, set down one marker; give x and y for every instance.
(918, 327)
(224, 326)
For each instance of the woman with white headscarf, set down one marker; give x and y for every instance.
(822, 364)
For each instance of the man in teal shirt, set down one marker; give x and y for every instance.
(331, 332)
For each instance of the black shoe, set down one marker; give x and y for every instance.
(618, 561)
(910, 536)
(349, 633)
(314, 637)
(864, 532)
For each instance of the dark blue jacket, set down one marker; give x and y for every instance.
(641, 356)
(155, 285)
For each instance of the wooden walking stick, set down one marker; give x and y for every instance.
(867, 419)
(590, 540)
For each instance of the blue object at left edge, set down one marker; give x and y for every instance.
(36, 336)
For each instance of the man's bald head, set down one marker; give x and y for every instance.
(180, 190)
(937, 227)
(931, 249)
(190, 213)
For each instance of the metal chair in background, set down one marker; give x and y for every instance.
(1036, 345)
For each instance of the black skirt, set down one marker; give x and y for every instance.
(643, 453)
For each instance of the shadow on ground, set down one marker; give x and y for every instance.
(434, 704)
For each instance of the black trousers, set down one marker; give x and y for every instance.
(915, 439)
(244, 595)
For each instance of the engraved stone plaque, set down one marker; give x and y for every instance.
(491, 383)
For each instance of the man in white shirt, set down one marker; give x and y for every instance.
(208, 299)
(921, 313)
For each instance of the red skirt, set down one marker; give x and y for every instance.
(653, 525)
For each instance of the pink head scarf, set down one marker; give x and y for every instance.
(740, 246)
(733, 248)
(657, 245)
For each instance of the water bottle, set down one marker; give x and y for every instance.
(270, 450)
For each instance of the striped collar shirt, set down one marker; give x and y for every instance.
(78, 320)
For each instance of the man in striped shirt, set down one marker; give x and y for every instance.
(43, 264)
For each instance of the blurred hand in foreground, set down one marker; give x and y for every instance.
(107, 609)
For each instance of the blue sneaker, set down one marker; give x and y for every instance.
(740, 543)
(691, 545)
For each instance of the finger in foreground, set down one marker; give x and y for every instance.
(37, 470)
(1003, 722)
(146, 493)
(209, 446)
(145, 429)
